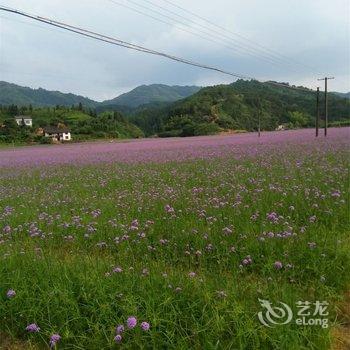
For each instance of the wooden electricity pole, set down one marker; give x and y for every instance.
(258, 108)
(325, 104)
(317, 110)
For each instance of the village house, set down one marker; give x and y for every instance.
(57, 134)
(24, 120)
(280, 128)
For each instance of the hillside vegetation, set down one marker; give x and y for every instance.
(146, 94)
(83, 124)
(25, 96)
(237, 107)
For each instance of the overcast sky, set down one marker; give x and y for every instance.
(312, 37)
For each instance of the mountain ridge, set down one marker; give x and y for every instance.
(145, 94)
(11, 93)
(238, 106)
(142, 95)
(242, 105)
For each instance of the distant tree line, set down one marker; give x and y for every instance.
(84, 123)
(238, 106)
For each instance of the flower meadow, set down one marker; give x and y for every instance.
(170, 244)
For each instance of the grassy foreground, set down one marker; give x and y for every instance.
(188, 247)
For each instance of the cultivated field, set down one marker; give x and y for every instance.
(176, 240)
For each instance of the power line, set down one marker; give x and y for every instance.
(122, 43)
(206, 35)
(271, 51)
(252, 48)
(118, 42)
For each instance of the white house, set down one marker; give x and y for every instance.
(24, 120)
(57, 134)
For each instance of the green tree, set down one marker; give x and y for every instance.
(298, 119)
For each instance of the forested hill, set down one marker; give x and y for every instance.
(343, 94)
(236, 107)
(12, 94)
(146, 94)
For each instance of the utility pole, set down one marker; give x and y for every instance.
(325, 104)
(317, 110)
(258, 105)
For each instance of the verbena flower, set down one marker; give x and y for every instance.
(247, 261)
(119, 329)
(55, 338)
(33, 328)
(131, 322)
(10, 293)
(278, 265)
(145, 326)
(118, 338)
(169, 209)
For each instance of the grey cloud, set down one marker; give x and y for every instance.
(313, 33)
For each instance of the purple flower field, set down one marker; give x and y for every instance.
(176, 243)
(173, 149)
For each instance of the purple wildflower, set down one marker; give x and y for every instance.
(131, 322)
(7, 229)
(10, 293)
(336, 194)
(312, 218)
(247, 261)
(119, 329)
(55, 338)
(118, 338)
(273, 217)
(169, 209)
(33, 328)
(278, 265)
(145, 326)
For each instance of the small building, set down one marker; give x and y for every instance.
(57, 134)
(39, 132)
(280, 128)
(24, 120)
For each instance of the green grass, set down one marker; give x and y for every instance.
(61, 282)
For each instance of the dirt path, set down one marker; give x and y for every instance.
(341, 334)
(6, 343)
